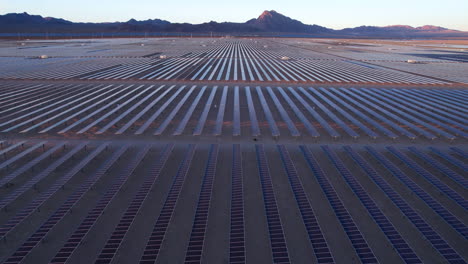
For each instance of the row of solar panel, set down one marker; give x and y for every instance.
(118, 109)
(226, 61)
(237, 248)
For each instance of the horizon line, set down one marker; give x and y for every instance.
(194, 23)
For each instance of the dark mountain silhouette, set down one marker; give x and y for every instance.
(153, 22)
(272, 21)
(27, 19)
(401, 31)
(269, 23)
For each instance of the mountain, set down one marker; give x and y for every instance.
(269, 23)
(400, 31)
(272, 21)
(152, 22)
(27, 19)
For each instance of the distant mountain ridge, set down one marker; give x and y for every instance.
(273, 21)
(267, 23)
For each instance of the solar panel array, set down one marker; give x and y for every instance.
(78, 171)
(227, 60)
(169, 110)
(232, 150)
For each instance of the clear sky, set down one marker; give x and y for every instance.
(335, 14)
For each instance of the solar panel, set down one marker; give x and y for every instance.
(271, 121)
(416, 219)
(170, 117)
(431, 178)
(277, 241)
(292, 128)
(219, 118)
(374, 211)
(441, 167)
(332, 116)
(346, 220)
(195, 245)
(115, 240)
(237, 229)
(156, 238)
(430, 201)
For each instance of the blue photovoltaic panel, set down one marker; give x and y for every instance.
(431, 202)
(114, 242)
(416, 219)
(449, 158)
(429, 177)
(34, 239)
(441, 167)
(237, 229)
(397, 241)
(44, 196)
(278, 245)
(358, 241)
(151, 252)
(197, 236)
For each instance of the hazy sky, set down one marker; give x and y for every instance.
(335, 14)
